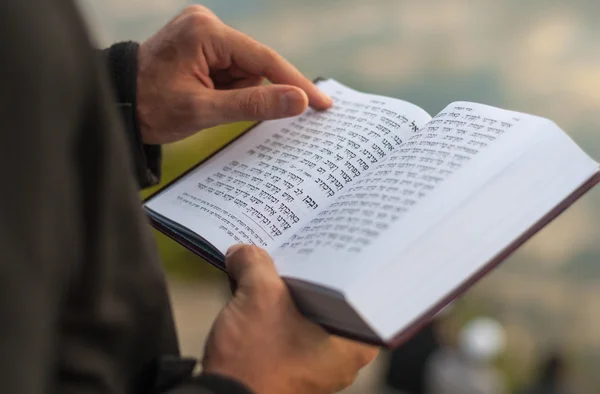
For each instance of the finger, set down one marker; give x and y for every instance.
(251, 268)
(258, 59)
(365, 354)
(197, 9)
(256, 103)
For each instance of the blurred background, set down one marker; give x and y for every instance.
(542, 306)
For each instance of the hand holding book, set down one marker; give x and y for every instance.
(306, 357)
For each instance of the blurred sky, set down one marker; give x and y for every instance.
(537, 56)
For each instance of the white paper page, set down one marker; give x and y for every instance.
(274, 179)
(401, 198)
(474, 233)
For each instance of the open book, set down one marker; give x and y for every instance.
(375, 213)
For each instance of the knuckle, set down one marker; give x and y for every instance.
(256, 103)
(200, 16)
(197, 9)
(276, 287)
(252, 253)
(273, 296)
(261, 253)
(246, 252)
(366, 355)
(359, 354)
(198, 19)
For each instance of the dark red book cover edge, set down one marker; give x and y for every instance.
(422, 321)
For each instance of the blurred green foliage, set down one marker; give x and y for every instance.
(177, 158)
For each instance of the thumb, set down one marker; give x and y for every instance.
(258, 103)
(251, 268)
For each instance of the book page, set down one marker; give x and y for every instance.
(273, 180)
(471, 222)
(355, 224)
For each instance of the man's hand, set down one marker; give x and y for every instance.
(196, 73)
(262, 340)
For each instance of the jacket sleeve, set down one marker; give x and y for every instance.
(174, 375)
(122, 67)
(209, 384)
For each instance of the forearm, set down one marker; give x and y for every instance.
(121, 59)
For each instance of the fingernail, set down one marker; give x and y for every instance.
(292, 103)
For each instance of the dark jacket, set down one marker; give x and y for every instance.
(83, 300)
